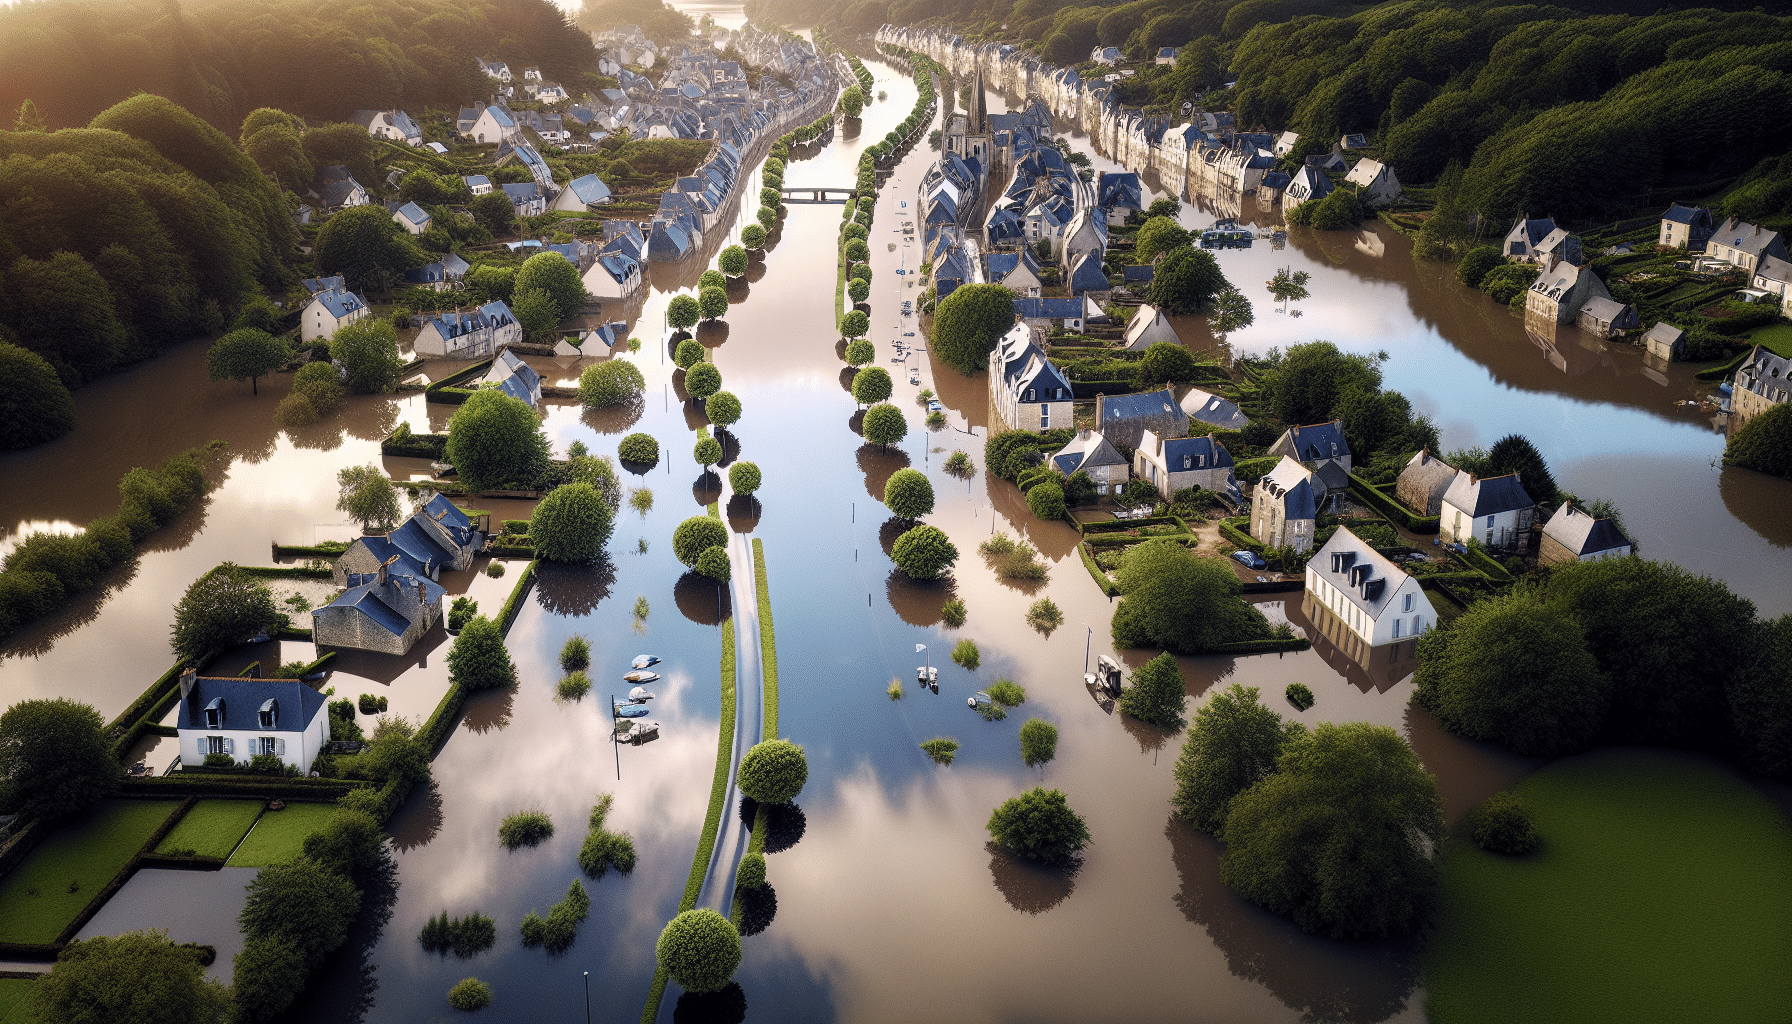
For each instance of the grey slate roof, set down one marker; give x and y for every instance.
(1319, 441)
(1087, 450)
(1204, 452)
(1290, 483)
(1210, 408)
(296, 703)
(1115, 408)
(1579, 532)
(1488, 496)
(1344, 557)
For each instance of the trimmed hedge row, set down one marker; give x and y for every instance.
(402, 442)
(1299, 643)
(448, 390)
(1101, 578)
(1230, 531)
(268, 787)
(1394, 510)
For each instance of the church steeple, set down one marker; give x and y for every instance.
(979, 113)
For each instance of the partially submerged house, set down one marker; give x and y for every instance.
(1763, 381)
(1576, 535)
(1376, 182)
(1284, 509)
(1028, 391)
(328, 311)
(515, 378)
(1371, 601)
(246, 716)
(384, 611)
(1608, 318)
(1665, 341)
(1494, 511)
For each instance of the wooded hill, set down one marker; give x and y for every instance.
(223, 59)
(1584, 111)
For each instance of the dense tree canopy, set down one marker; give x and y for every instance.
(968, 323)
(479, 660)
(246, 354)
(551, 272)
(1160, 235)
(697, 535)
(1763, 444)
(495, 442)
(134, 978)
(1233, 745)
(1340, 837)
(1039, 825)
(221, 609)
(368, 352)
(35, 406)
(884, 424)
(367, 247)
(572, 524)
(924, 552)
(54, 758)
(365, 493)
(1180, 601)
(1156, 694)
(1312, 378)
(303, 903)
(611, 382)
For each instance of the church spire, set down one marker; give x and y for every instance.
(979, 112)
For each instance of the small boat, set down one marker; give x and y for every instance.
(637, 732)
(925, 675)
(629, 710)
(1106, 677)
(640, 676)
(639, 694)
(978, 698)
(645, 661)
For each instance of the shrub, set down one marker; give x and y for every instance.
(713, 562)
(936, 419)
(1038, 742)
(604, 849)
(700, 949)
(640, 449)
(859, 352)
(370, 704)
(965, 653)
(733, 260)
(856, 250)
(240, 355)
(1039, 825)
(968, 322)
(1046, 501)
(1044, 615)
(1764, 444)
(463, 936)
(924, 552)
(1180, 601)
(744, 478)
(575, 654)
(766, 216)
(712, 303)
(366, 495)
(854, 324)
(221, 609)
(683, 312)
(496, 442)
(35, 406)
(495, 570)
(1502, 824)
(953, 613)
(1477, 262)
(1008, 693)
(697, 535)
(573, 685)
(960, 464)
(858, 291)
(470, 993)
(871, 385)
(1156, 694)
(941, 749)
(1300, 695)
(707, 451)
(554, 274)
(688, 353)
(368, 352)
(773, 771)
(703, 380)
(572, 524)
(908, 494)
(884, 425)
(560, 928)
(266, 976)
(753, 236)
(478, 659)
(894, 689)
(723, 409)
(524, 828)
(751, 874)
(55, 760)
(612, 382)
(711, 279)
(302, 903)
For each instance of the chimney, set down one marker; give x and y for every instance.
(188, 678)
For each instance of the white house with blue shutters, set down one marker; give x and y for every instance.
(245, 717)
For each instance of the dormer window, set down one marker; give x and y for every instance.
(214, 713)
(1188, 462)
(1029, 394)
(270, 714)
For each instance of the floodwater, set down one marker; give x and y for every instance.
(888, 902)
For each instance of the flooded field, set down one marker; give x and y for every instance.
(890, 904)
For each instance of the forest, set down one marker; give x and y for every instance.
(221, 60)
(1586, 111)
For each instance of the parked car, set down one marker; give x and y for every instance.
(1249, 559)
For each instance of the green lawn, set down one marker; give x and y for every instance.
(12, 999)
(279, 836)
(87, 852)
(1659, 895)
(213, 827)
(1777, 338)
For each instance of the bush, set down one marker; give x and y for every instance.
(697, 535)
(744, 478)
(1007, 693)
(856, 250)
(603, 849)
(858, 291)
(751, 874)
(859, 352)
(55, 760)
(1233, 745)
(640, 449)
(575, 655)
(688, 353)
(221, 609)
(1764, 444)
(1180, 601)
(711, 279)
(713, 562)
(524, 828)
(301, 903)
(753, 236)
(953, 613)
(496, 443)
(1044, 615)
(884, 424)
(773, 772)
(700, 949)
(478, 660)
(924, 552)
(495, 570)
(470, 993)
(266, 976)
(941, 749)
(766, 216)
(854, 324)
(712, 302)
(612, 382)
(871, 385)
(1477, 262)
(240, 355)
(573, 686)
(908, 494)
(723, 409)
(1038, 742)
(703, 380)
(572, 524)
(463, 936)
(1502, 824)
(1046, 501)
(707, 451)
(1156, 694)
(370, 704)
(1039, 825)
(35, 406)
(968, 323)
(560, 928)
(1300, 695)
(368, 352)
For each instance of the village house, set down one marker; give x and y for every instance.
(1309, 184)
(492, 124)
(1178, 463)
(1119, 195)
(443, 275)
(437, 536)
(515, 378)
(470, 335)
(384, 611)
(1495, 510)
(526, 199)
(1774, 276)
(1375, 181)
(581, 194)
(1286, 142)
(1686, 227)
(1068, 312)
(336, 189)
(247, 716)
(1562, 289)
(1166, 55)
(1087, 278)
(1123, 419)
(1576, 535)
(1147, 327)
(1284, 509)
(1527, 234)
(613, 275)
(1089, 452)
(1028, 391)
(392, 125)
(1743, 245)
(1105, 55)
(1760, 383)
(598, 342)
(1211, 409)
(328, 311)
(1313, 444)
(1665, 341)
(478, 184)
(1369, 601)
(1608, 318)
(410, 217)
(1423, 483)
(1016, 271)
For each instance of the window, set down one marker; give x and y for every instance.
(1418, 625)
(214, 714)
(1029, 394)
(267, 745)
(1188, 462)
(1406, 605)
(1490, 522)
(1396, 629)
(1101, 488)
(215, 745)
(1045, 415)
(269, 713)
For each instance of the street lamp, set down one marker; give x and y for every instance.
(587, 997)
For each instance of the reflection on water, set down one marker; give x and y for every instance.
(757, 908)
(1028, 886)
(702, 600)
(1760, 502)
(191, 906)
(728, 1006)
(573, 590)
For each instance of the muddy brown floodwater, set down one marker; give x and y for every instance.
(889, 904)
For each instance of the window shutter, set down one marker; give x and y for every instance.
(230, 746)
(280, 747)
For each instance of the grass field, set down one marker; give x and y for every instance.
(86, 852)
(280, 835)
(1659, 895)
(12, 998)
(213, 827)
(1777, 338)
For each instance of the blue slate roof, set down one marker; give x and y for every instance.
(413, 213)
(448, 514)
(382, 549)
(498, 313)
(1054, 308)
(1319, 441)
(477, 180)
(1202, 451)
(1682, 214)
(295, 704)
(340, 302)
(419, 545)
(1126, 407)
(502, 116)
(1489, 496)
(1001, 264)
(617, 265)
(1118, 189)
(1139, 274)
(1087, 275)
(520, 194)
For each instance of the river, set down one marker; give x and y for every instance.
(890, 906)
